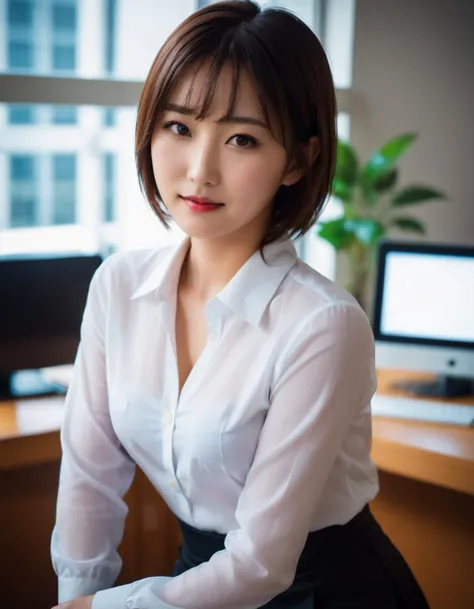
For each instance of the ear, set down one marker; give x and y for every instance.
(307, 153)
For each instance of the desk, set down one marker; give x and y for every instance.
(426, 503)
(429, 452)
(426, 499)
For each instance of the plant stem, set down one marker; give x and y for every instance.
(359, 268)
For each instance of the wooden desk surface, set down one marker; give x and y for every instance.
(29, 432)
(430, 452)
(437, 453)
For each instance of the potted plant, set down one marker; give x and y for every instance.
(372, 205)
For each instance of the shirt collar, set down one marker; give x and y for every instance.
(248, 293)
(164, 276)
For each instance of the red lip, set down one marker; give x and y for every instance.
(201, 200)
(194, 203)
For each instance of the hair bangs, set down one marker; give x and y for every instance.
(240, 55)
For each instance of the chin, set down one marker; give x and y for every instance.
(198, 230)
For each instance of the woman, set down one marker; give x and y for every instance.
(235, 376)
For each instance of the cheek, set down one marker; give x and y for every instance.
(165, 160)
(258, 178)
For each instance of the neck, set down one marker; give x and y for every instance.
(210, 265)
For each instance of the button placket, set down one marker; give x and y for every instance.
(168, 429)
(167, 310)
(214, 327)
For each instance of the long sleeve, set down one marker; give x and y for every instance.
(95, 470)
(324, 379)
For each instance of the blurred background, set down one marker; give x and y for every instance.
(71, 73)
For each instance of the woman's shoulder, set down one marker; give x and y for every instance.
(310, 291)
(128, 270)
(309, 305)
(314, 310)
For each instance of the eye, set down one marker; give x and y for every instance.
(177, 128)
(244, 141)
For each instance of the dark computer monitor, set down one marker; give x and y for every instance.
(41, 306)
(424, 314)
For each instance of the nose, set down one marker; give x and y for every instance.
(203, 162)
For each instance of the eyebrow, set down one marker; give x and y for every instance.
(186, 110)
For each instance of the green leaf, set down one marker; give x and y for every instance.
(386, 181)
(371, 192)
(341, 190)
(347, 165)
(385, 158)
(367, 230)
(409, 224)
(350, 211)
(416, 194)
(369, 196)
(335, 232)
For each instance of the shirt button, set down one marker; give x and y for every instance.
(169, 417)
(172, 484)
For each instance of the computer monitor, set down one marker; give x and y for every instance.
(424, 314)
(41, 306)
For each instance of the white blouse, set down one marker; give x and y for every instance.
(269, 439)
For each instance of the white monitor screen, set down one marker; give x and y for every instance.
(428, 296)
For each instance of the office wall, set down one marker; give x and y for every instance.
(413, 71)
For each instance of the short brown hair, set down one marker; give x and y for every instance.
(293, 82)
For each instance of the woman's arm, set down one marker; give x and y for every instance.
(324, 376)
(95, 470)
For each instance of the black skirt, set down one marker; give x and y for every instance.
(353, 566)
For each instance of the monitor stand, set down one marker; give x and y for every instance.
(443, 386)
(27, 384)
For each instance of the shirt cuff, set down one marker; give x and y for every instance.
(112, 598)
(70, 588)
(141, 594)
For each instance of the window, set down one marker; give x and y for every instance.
(20, 114)
(20, 55)
(42, 36)
(110, 18)
(64, 57)
(64, 115)
(64, 17)
(108, 117)
(20, 13)
(63, 36)
(40, 114)
(109, 186)
(20, 35)
(42, 189)
(64, 189)
(23, 191)
(109, 34)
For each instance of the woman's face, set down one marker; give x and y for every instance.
(235, 162)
